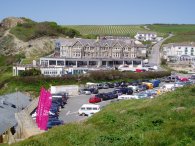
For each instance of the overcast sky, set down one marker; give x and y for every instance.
(102, 11)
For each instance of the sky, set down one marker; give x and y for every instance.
(105, 12)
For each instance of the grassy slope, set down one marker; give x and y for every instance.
(166, 120)
(124, 30)
(32, 30)
(183, 33)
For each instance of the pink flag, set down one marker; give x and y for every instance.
(43, 108)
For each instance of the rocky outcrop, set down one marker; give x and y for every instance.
(10, 22)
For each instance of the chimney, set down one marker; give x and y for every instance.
(98, 38)
(34, 63)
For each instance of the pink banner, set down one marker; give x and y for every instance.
(45, 101)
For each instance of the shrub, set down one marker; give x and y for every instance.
(30, 72)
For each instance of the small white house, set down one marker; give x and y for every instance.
(146, 36)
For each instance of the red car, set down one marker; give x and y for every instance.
(138, 70)
(95, 99)
(184, 79)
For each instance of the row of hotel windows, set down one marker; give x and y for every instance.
(77, 54)
(51, 72)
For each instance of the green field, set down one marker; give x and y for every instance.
(122, 30)
(174, 28)
(166, 120)
(183, 33)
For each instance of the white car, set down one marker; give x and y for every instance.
(126, 97)
(134, 88)
(88, 109)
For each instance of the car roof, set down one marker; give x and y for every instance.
(90, 105)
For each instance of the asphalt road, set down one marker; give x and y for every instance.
(154, 58)
(70, 112)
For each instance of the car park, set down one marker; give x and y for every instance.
(88, 109)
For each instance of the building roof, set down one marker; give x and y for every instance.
(94, 42)
(9, 105)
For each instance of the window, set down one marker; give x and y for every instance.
(95, 108)
(89, 108)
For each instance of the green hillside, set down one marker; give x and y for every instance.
(122, 30)
(183, 33)
(32, 30)
(166, 120)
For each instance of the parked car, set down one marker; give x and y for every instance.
(134, 88)
(183, 79)
(168, 87)
(142, 95)
(85, 91)
(105, 86)
(123, 84)
(127, 91)
(99, 86)
(111, 85)
(116, 84)
(88, 109)
(150, 85)
(94, 99)
(126, 97)
(53, 122)
(155, 83)
(93, 90)
(111, 95)
(142, 87)
(179, 84)
(104, 96)
(171, 79)
(61, 96)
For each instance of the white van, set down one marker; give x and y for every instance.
(89, 109)
(126, 97)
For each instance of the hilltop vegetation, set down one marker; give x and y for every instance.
(32, 30)
(166, 120)
(182, 33)
(121, 30)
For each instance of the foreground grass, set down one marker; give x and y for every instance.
(166, 120)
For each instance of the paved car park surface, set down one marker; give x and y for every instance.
(70, 112)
